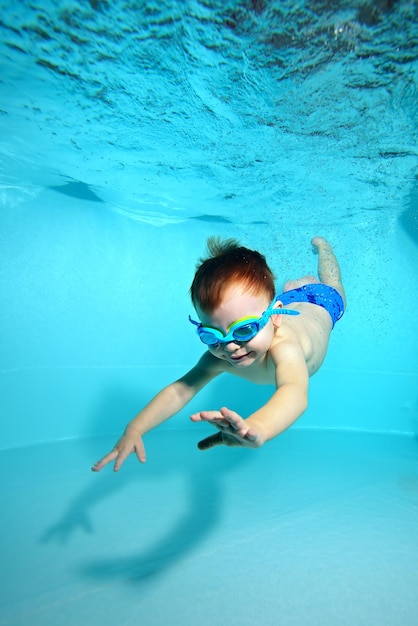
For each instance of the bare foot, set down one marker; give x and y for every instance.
(320, 243)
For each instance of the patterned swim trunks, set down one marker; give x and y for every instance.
(317, 293)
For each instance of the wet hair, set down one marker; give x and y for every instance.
(228, 264)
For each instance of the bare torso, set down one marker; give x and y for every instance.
(308, 331)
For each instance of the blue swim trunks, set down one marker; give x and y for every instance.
(317, 293)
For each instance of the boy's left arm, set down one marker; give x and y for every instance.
(285, 406)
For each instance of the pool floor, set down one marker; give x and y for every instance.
(318, 528)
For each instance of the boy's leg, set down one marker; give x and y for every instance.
(328, 269)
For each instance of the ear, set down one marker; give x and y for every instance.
(277, 319)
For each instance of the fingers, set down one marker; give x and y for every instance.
(120, 453)
(206, 416)
(140, 453)
(121, 458)
(236, 423)
(211, 442)
(218, 417)
(233, 419)
(104, 461)
(234, 430)
(225, 420)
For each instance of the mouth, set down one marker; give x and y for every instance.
(236, 359)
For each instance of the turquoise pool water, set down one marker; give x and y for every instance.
(130, 132)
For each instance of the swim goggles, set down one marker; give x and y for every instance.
(242, 330)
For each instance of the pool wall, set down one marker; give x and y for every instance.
(95, 306)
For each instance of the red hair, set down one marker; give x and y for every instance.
(230, 263)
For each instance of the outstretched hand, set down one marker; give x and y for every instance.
(129, 442)
(233, 430)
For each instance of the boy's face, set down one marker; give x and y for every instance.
(236, 304)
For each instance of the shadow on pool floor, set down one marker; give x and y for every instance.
(317, 527)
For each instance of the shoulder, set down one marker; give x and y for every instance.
(289, 361)
(286, 347)
(286, 344)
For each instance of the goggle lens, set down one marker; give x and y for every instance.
(208, 338)
(245, 333)
(241, 333)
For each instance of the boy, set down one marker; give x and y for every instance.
(249, 333)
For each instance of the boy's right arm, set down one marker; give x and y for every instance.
(164, 405)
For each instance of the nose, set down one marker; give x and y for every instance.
(230, 347)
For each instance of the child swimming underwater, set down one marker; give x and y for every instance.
(251, 332)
